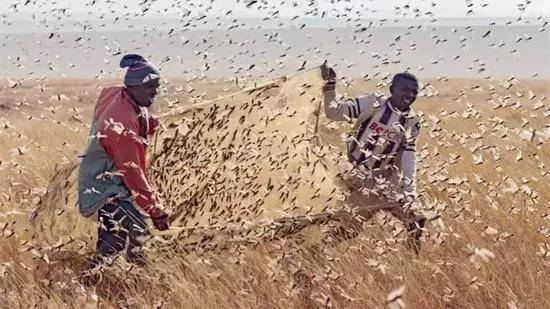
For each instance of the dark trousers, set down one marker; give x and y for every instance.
(121, 226)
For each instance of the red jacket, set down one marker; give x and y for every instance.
(123, 134)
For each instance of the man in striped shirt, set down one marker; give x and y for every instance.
(380, 174)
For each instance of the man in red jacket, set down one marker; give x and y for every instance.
(113, 173)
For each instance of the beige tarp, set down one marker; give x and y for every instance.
(235, 162)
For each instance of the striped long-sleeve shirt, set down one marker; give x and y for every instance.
(384, 136)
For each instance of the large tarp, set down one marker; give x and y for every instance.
(240, 161)
(244, 157)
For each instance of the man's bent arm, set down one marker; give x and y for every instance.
(408, 161)
(408, 167)
(128, 153)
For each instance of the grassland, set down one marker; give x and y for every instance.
(484, 160)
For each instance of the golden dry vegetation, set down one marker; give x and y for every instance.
(483, 169)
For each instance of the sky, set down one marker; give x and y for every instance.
(83, 9)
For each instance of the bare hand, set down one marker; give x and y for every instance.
(161, 224)
(327, 73)
(160, 219)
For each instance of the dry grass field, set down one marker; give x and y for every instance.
(483, 168)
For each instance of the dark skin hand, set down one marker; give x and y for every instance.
(162, 223)
(403, 93)
(145, 94)
(327, 73)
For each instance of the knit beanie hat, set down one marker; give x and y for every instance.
(139, 70)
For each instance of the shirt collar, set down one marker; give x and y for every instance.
(397, 111)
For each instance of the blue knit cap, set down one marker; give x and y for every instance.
(139, 70)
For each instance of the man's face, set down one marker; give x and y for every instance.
(404, 92)
(145, 94)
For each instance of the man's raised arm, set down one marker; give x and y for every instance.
(334, 109)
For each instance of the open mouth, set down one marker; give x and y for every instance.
(408, 100)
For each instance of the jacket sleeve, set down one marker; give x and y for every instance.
(408, 160)
(127, 150)
(345, 110)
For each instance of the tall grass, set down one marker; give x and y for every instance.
(490, 249)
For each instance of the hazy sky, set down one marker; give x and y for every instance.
(15, 9)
